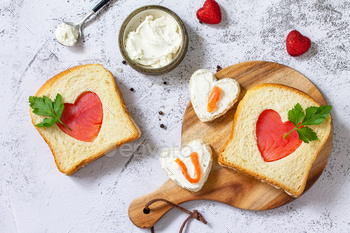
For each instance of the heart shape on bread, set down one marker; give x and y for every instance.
(270, 131)
(201, 85)
(171, 160)
(84, 117)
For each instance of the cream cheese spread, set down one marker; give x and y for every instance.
(67, 35)
(172, 169)
(155, 43)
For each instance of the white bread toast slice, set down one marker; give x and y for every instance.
(241, 151)
(118, 126)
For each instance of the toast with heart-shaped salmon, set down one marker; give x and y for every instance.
(257, 145)
(95, 113)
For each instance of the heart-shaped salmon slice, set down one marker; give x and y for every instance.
(270, 131)
(84, 117)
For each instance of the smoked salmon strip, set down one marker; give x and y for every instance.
(213, 98)
(197, 167)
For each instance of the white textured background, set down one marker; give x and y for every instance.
(36, 197)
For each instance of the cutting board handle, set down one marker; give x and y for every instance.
(168, 191)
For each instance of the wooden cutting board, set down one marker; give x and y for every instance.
(225, 185)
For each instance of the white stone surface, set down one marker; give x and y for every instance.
(36, 197)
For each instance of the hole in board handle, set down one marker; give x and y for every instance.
(146, 211)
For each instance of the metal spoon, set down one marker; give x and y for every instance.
(78, 26)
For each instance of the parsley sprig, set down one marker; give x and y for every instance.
(43, 106)
(312, 116)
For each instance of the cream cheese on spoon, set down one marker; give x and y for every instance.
(67, 34)
(155, 43)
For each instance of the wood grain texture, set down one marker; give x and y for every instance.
(225, 185)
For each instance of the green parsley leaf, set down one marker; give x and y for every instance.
(316, 115)
(43, 106)
(313, 116)
(58, 106)
(296, 115)
(306, 134)
(47, 122)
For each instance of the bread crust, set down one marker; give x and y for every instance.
(77, 166)
(262, 177)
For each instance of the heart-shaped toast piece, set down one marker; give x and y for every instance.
(84, 117)
(210, 13)
(270, 131)
(203, 86)
(190, 166)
